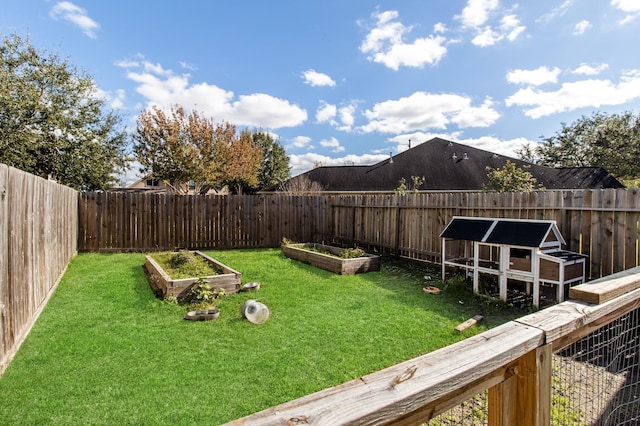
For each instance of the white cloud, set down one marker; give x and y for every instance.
(440, 28)
(558, 11)
(326, 113)
(300, 142)
(582, 27)
(78, 16)
(188, 66)
(423, 110)
(332, 143)
(482, 116)
(487, 37)
(510, 25)
(385, 44)
(314, 78)
(536, 77)
(579, 94)
(346, 114)
(630, 7)
(476, 12)
(586, 69)
(163, 88)
(478, 15)
(113, 100)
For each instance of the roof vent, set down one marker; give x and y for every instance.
(390, 157)
(465, 156)
(450, 144)
(495, 155)
(454, 156)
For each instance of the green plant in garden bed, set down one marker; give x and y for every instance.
(105, 350)
(202, 296)
(184, 264)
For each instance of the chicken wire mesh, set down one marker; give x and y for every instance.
(595, 381)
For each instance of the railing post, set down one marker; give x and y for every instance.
(525, 396)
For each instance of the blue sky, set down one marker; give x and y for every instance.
(350, 81)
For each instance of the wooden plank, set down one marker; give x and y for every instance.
(501, 405)
(569, 321)
(619, 229)
(424, 386)
(632, 223)
(607, 288)
(607, 237)
(469, 323)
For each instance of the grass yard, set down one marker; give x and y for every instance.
(106, 351)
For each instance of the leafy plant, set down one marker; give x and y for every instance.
(202, 295)
(352, 253)
(181, 258)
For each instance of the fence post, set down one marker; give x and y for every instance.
(524, 397)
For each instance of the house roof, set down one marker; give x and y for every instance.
(516, 232)
(447, 165)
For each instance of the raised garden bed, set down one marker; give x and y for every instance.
(312, 254)
(163, 285)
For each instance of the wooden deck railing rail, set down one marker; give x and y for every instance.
(513, 361)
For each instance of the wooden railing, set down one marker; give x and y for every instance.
(513, 362)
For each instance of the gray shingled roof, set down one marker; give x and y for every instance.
(446, 165)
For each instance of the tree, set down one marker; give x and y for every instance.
(416, 183)
(180, 149)
(608, 141)
(301, 185)
(183, 149)
(52, 122)
(275, 162)
(510, 179)
(239, 162)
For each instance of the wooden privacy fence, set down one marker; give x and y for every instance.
(603, 224)
(38, 237)
(116, 221)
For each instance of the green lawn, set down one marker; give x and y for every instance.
(106, 351)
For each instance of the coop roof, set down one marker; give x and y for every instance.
(516, 232)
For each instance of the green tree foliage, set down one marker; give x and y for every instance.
(178, 148)
(608, 141)
(275, 162)
(239, 162)
(416, 183)
(52, 122)
(510, 178)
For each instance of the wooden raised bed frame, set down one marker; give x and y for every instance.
(164, 285)
(367, 263)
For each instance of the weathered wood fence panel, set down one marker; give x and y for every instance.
(38, 237)
(148, 222)
(604, 224)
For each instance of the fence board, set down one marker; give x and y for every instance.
(603, 224)
(39, 235)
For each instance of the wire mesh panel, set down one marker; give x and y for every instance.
(596, 380)
(469, 413)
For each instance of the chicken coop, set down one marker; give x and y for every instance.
(520, 250)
